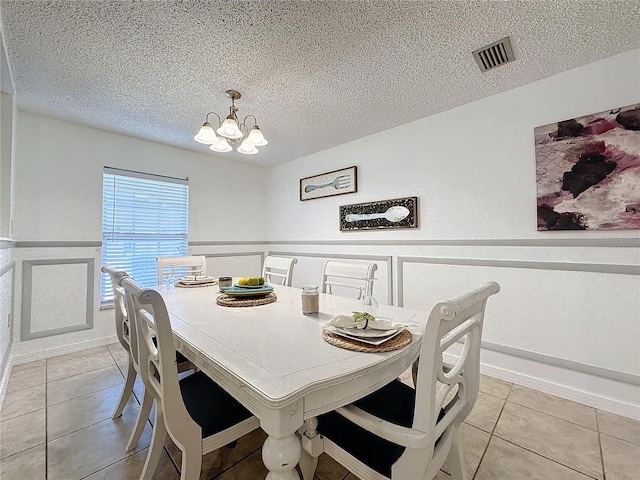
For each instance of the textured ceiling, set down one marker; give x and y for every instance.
(315, 73)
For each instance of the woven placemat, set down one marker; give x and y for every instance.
(186, 285)
(227, 301)
(399, 341)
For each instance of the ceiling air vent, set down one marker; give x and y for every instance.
(493, 55)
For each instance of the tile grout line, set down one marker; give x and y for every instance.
(506, 399)
(75, 398)
(86, 426)
(556, 416)
(230, 466)
(550, 459)
(175, 465)
(604, 473)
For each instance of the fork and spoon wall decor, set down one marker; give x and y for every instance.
(394, 213)
(337, 182)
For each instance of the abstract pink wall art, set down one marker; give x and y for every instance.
(588, 172)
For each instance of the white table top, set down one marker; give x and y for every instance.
(275, 353)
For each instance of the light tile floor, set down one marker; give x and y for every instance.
(55, 424)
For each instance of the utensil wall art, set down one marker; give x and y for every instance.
(395, 213)
(329, 184)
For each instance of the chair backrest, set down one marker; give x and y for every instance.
(180, 266)
(122, 318)
(349, 276)
(459, 320)
(157, 361)
(278, 270)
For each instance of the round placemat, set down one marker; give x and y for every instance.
(227, 301)
(186, 285)
(399, 341)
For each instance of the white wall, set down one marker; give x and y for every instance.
(58, 183)
(58, 212)
(568, 298)
(7, 112)
(473, 167)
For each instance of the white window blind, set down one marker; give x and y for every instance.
(144, 216)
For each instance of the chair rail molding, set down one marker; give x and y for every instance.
(617, 242)
(7, 243)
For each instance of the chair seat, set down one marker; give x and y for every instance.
(394, 403)
(199, 393)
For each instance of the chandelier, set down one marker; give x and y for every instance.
(231, 130)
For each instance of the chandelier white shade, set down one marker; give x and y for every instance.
(220, 145)
(206, 135)
(231, 130)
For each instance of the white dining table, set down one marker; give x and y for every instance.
(272, 358)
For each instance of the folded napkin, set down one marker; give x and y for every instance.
(349, 321)
(198, 277)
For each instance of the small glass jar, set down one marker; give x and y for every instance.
(310, 300)
(224, 282)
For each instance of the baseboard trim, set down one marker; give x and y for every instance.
(568, 393)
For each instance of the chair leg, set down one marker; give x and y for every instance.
(311, 442)
(457, 467)
(308, 465)
(141, 421)
(191, 460)
(414, 372)
(157, 444)
(127, 389)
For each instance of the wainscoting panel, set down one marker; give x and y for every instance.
(558, 313)
(68, 307)
(234, 264)
(7, 284)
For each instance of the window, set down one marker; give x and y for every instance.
(144, 216)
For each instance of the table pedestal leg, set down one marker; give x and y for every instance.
(280, 456)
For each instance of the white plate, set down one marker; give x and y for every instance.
(367, 332)
(199, 281)
(372, 341)
(264, 285)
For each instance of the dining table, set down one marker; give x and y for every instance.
(274, 360)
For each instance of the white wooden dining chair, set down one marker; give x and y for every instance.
(198, 414)
(126, 333)
(345, 276)
(278, 270)
(122, 332)
(402, 433)
(180, 266)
